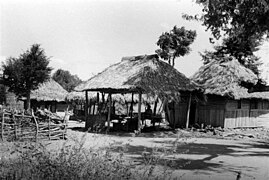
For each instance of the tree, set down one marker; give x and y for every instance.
(66, 80)
(175, 43)
(244, 17)
(243, 25)
(27, 72)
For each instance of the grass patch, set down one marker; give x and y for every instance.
(28, 160)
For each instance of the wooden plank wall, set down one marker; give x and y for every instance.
(239, 118)
(261, 117)
(246, 117)
(225, 113)
(235, 117)
(212, 112)
(209, 115)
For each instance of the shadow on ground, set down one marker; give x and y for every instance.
(170, 154)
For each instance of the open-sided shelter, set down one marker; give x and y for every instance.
(144, 74)
(229, 104)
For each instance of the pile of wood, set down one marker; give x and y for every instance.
(51, 126)
(22, 126)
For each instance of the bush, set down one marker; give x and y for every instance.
(35, 161)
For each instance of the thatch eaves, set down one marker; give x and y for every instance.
(123, 98)
(146, 73)
(224, 79)
(49, 91)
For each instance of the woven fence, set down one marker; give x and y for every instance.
(17, 126)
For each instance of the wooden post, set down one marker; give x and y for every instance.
(188, 113)
(155, 107)
(49, 129)
(55, 106)
(109, 111)
(139, 112)
(132, 106)
(36, 124)
(15, 124)
(86, 111)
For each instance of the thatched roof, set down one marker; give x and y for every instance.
(49, 91)
(146, 73)
(224, 79)
(79, 96)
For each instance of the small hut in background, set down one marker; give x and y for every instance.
(228, 103)
(50, 95)
(139, 75)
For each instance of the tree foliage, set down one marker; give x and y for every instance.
(248, 17)
(27, 72)
(243, 24)
(175, 43)
(66, 80)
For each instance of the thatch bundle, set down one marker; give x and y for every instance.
(139, 73)
(79, 96)
(49, 91)
(224, 78)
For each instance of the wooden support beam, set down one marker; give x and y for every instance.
(132, 106)
(109, 111)
(155, 106)
(188, 113)
(139, 112)
(86, 110)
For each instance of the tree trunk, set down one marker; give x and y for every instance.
(28, 103)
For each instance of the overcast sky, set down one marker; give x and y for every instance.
(86, 36)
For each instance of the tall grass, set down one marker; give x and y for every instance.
(35, 161)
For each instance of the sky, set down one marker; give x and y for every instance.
(86, 36)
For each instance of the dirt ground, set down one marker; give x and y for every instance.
(228, 154)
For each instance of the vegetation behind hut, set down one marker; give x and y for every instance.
(27, 72)
(66, 80)
(244, 25)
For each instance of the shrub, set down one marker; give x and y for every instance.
(30, 160)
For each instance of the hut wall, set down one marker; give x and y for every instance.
(251, 113)
(237, 114)
(212, 112)
(261, 113)
(228, 113)
(178, 115)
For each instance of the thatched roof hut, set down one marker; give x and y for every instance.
(49, 91)
(139, 73)
(224, 78)
(144, 74)
(229, 104)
